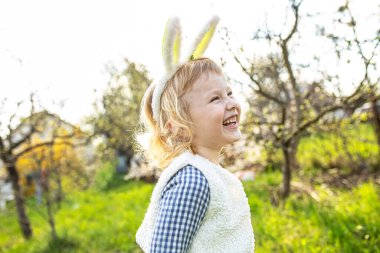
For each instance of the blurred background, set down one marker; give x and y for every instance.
(72, 77)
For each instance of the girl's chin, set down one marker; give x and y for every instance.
(234, 136)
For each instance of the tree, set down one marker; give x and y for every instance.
(284, 104)
(17, 142)
(366, 51)
(43, 169)
(117, 112)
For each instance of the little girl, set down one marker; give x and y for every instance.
(196, 206)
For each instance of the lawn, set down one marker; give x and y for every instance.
(106, 220)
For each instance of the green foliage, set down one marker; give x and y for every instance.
(323, 151)
(106, 179)
(327, 150)
(59, 245)
(104, 176)
(117, 112)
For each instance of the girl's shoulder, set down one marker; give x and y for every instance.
(189, 172)
(187, 176)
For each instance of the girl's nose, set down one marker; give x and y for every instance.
(233, 104)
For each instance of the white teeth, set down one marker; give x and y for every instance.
(233, 119)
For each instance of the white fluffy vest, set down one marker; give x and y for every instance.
(226, 226)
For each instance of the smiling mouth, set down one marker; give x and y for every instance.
(231, 122)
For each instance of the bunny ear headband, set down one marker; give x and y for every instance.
(171, 45)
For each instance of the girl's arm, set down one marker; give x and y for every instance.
(183, 204)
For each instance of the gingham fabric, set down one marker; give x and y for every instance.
(183, 205)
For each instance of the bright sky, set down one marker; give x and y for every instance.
(60, 48)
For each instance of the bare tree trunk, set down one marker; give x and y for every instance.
(59, 196)
(286, 173)
(270, 151)
(20, 203)
(49, 208)
(376, 120)
(293, 153)
(289, 151)
(56, 167)
(346, 150)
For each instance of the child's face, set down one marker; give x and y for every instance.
(211, 103)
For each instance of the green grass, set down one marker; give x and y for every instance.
(326, 150)
(343, 221)
(90, 221)
(106, 221)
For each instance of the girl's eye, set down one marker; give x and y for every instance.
(214, 98)
(230, 93)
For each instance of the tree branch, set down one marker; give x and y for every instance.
(261, 123)
(295, 8)
(358, 102)
(46, 143)
(19, 142)
(285, 54)
(260, 89)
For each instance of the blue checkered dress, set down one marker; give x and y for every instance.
(183, 205)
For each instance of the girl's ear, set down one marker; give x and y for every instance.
(169, 125)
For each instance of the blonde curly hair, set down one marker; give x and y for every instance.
(172, 134)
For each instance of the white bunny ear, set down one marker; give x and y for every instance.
(202, 41)
(171, 44)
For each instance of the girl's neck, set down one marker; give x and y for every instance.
(210, 154)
